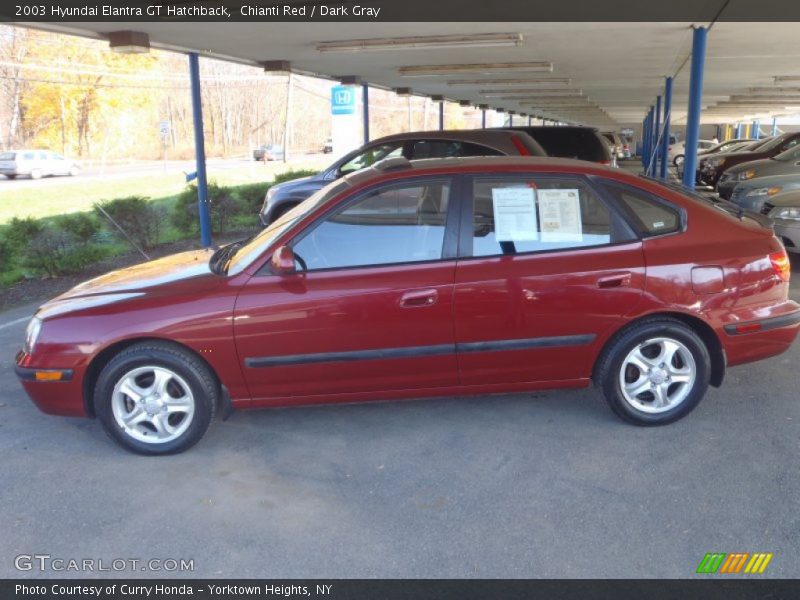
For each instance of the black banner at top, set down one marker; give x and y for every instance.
(695, 11)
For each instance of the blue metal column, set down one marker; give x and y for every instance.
(656, 139)
(774, 126)
(699, 38)
(738, 131)
(667, 118)
(200, 151)
(441, 115)
(756, 131)
(647, 138)
(365, 110)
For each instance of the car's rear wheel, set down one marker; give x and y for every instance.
(655, 373)
(74, 171)
(11, 176)
(155, 398)
(678, 160)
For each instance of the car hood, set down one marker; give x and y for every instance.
(755, 165)
(288, 186)
(786, 199)
(773, 180)
(131, 282)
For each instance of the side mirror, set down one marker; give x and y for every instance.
(283, 261)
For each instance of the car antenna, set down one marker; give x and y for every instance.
(125, 233)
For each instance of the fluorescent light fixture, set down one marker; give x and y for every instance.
(480, 40)
(774, 90)
(531, 92)
(512, 82)
(484, 68)
(129, 42)
(787, 79)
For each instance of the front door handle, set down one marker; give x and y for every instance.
(417, 298)
(614, 281)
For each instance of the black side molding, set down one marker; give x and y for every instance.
(28, 374)
(419, 351)
(765, 324)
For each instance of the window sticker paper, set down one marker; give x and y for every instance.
(560, 214)
(515, 214)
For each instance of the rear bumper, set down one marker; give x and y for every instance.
(752, 340)
(63, 397)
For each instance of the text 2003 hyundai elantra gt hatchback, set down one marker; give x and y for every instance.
(439, 277)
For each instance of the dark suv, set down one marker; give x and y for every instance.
(583, 143)
(415, 145)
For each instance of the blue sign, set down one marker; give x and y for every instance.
(343, 100)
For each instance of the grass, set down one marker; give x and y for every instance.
(51, 197)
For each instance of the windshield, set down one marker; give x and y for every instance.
(789, 155)
(256, 246)
(773, 143)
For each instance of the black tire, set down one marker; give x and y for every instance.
(190, 368)
(11, 176)
(678, 160)
(282, 210)
(610, 364)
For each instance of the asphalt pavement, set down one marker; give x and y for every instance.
(523, 485)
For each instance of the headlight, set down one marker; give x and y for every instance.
(32, 334)
(787, 212)
(765, 191)
(746, 175)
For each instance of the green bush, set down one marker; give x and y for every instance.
(20, 231)
(223, 208)
(82, 225)
(137, 216)
(6, 255)
(55, 251)
(251, 197)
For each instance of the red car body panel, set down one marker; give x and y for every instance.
(300, 339)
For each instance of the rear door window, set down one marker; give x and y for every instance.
(448, 149)
(566, 142)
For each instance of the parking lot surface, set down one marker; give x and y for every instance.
(525, 485)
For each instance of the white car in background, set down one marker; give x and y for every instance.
(36, 164)
(676, 150)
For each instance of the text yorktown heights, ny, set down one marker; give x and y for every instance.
(171, 590)
(320, 11)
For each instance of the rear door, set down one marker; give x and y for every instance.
(546, 268)
(372, 311)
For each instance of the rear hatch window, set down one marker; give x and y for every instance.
(7, 156)
(565, 142)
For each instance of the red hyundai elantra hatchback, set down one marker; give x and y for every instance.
(433, 278)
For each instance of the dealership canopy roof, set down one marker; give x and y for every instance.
(603, 74)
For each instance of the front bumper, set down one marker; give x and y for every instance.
(789, 232)
(725, 188)
(55, 396)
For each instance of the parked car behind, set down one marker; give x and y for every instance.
(267, 152)
(582, 143)
(283, 197)
(711, 168)
(677, 150)
(617, 142)
(427, 278)
(36, 164)
(784, 210)
(327, 147)
(753, 193)
(785, 163)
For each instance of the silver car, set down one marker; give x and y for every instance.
(753, 193)
(784, 210)
(36, 164)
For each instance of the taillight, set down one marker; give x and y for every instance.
(780, 263)
(523, 151)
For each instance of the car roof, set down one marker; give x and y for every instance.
(478, 163)
(466, 135)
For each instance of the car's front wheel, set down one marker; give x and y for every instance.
(678, 160)
(655, 373)
(155, 398)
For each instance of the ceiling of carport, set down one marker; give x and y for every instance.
(617, 67)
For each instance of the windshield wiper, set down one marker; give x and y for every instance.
(218, 263)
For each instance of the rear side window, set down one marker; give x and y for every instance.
(28, 156)
(7, 156)
(519, 215)
(649, 215)
(566, 142)
(448, 149)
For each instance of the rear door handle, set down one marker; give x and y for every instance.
(419, 298)
(613, 281)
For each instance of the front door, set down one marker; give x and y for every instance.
(547, 268)
(370, 310)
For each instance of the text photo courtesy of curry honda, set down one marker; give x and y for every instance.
(393, 300)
